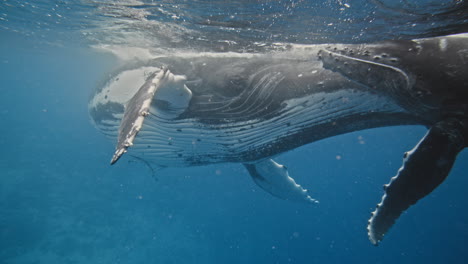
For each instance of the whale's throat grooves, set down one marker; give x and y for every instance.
(190, 141)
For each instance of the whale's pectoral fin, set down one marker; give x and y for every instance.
(164, 94)
(370, 73)
(424, 168)
(274, 178)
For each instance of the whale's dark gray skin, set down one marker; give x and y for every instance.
(189, 110)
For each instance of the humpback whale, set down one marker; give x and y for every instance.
(198, 109)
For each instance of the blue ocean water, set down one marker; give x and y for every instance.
(61, 202)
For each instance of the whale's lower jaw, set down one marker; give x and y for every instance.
(188, 142)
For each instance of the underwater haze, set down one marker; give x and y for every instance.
(61, 201)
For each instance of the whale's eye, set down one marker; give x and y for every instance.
(233, 85)
(237, 81)
(229, 81)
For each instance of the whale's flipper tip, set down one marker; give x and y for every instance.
(424, 168)
(274, 178)
(118, 153)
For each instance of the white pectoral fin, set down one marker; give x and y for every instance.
(161, 85)
(274, 178)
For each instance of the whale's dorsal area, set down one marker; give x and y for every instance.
(190, 110)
